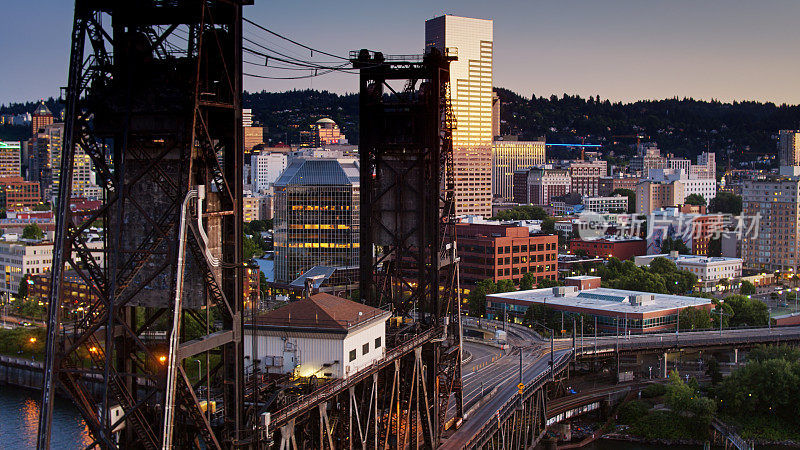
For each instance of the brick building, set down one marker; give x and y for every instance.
(16, 193)
(610, 246)
(505, 252)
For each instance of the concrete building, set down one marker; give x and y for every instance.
(316, 216)
(706, 166)
(505, 252)
(680, 165)
(544, 184)
(653, 195)
(610, 246)
(774, 245)
(617, 203)
(789, 147)
(251, 208)
(322, 336)
(585, 176)
(509, 157)
(10, 159)
(607, 185)
(648, 157)
(471, 95)
(709, 270)
(616, 310)
(265, 168)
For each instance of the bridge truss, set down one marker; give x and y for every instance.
(154, 100)
(408, 263)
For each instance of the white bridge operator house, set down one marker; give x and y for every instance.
(323, 336)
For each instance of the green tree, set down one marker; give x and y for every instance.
(715, 247)
(547, 283)
(476, 301)
(631, 198)
(549, 225)
(505, 286)
(250, 249)
(747, 311)
(695, 199)
(726, 203)
(668, 244)
(747, 288)
(526, 283)
(22, 291)
(692, 318)
(32, 231)
(713, 371)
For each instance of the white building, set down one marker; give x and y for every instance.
(23, 257)
(606, 204)
(709, 270)
(323, 336)
(265, 169)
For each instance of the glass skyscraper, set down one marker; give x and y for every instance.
(316, 216)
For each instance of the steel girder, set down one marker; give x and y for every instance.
(154, 99)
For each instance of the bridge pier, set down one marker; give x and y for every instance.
(664, 374)
(735, 356)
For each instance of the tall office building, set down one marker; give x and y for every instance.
(789, 147)
(509, 157)
(774, 245)
(10, 159)
(48, 145)
(316, 216)
(41, 116)
(266, 168)
(495, 114)
(471, 97)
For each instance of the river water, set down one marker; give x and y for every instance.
(19, 418)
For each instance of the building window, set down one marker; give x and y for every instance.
(352, 355)
(365, 349)
(377, 342)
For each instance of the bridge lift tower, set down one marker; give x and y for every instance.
(154, 99)
(408, 235)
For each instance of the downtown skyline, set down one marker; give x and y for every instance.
(621, 50)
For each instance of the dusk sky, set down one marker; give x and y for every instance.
(619, 49)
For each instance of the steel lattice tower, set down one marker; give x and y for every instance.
(154, 98)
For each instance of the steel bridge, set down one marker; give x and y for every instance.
(154, 99)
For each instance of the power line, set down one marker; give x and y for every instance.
(293, 41)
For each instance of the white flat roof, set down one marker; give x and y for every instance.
(600, 299)
(691, 259)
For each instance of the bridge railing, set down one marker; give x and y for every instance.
(689, 339)
(327, 390)
(534, 385)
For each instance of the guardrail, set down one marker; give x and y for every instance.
(294, 409)
(689, 339)
(502, 414)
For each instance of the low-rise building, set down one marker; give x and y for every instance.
(615, 310)
(709, 270)
(621, 247)
(322, 335)
(617, 203)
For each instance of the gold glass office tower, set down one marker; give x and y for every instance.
(471, 96)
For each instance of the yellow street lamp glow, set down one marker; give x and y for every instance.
(162, 358)
(93, 349)
(32, 339)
